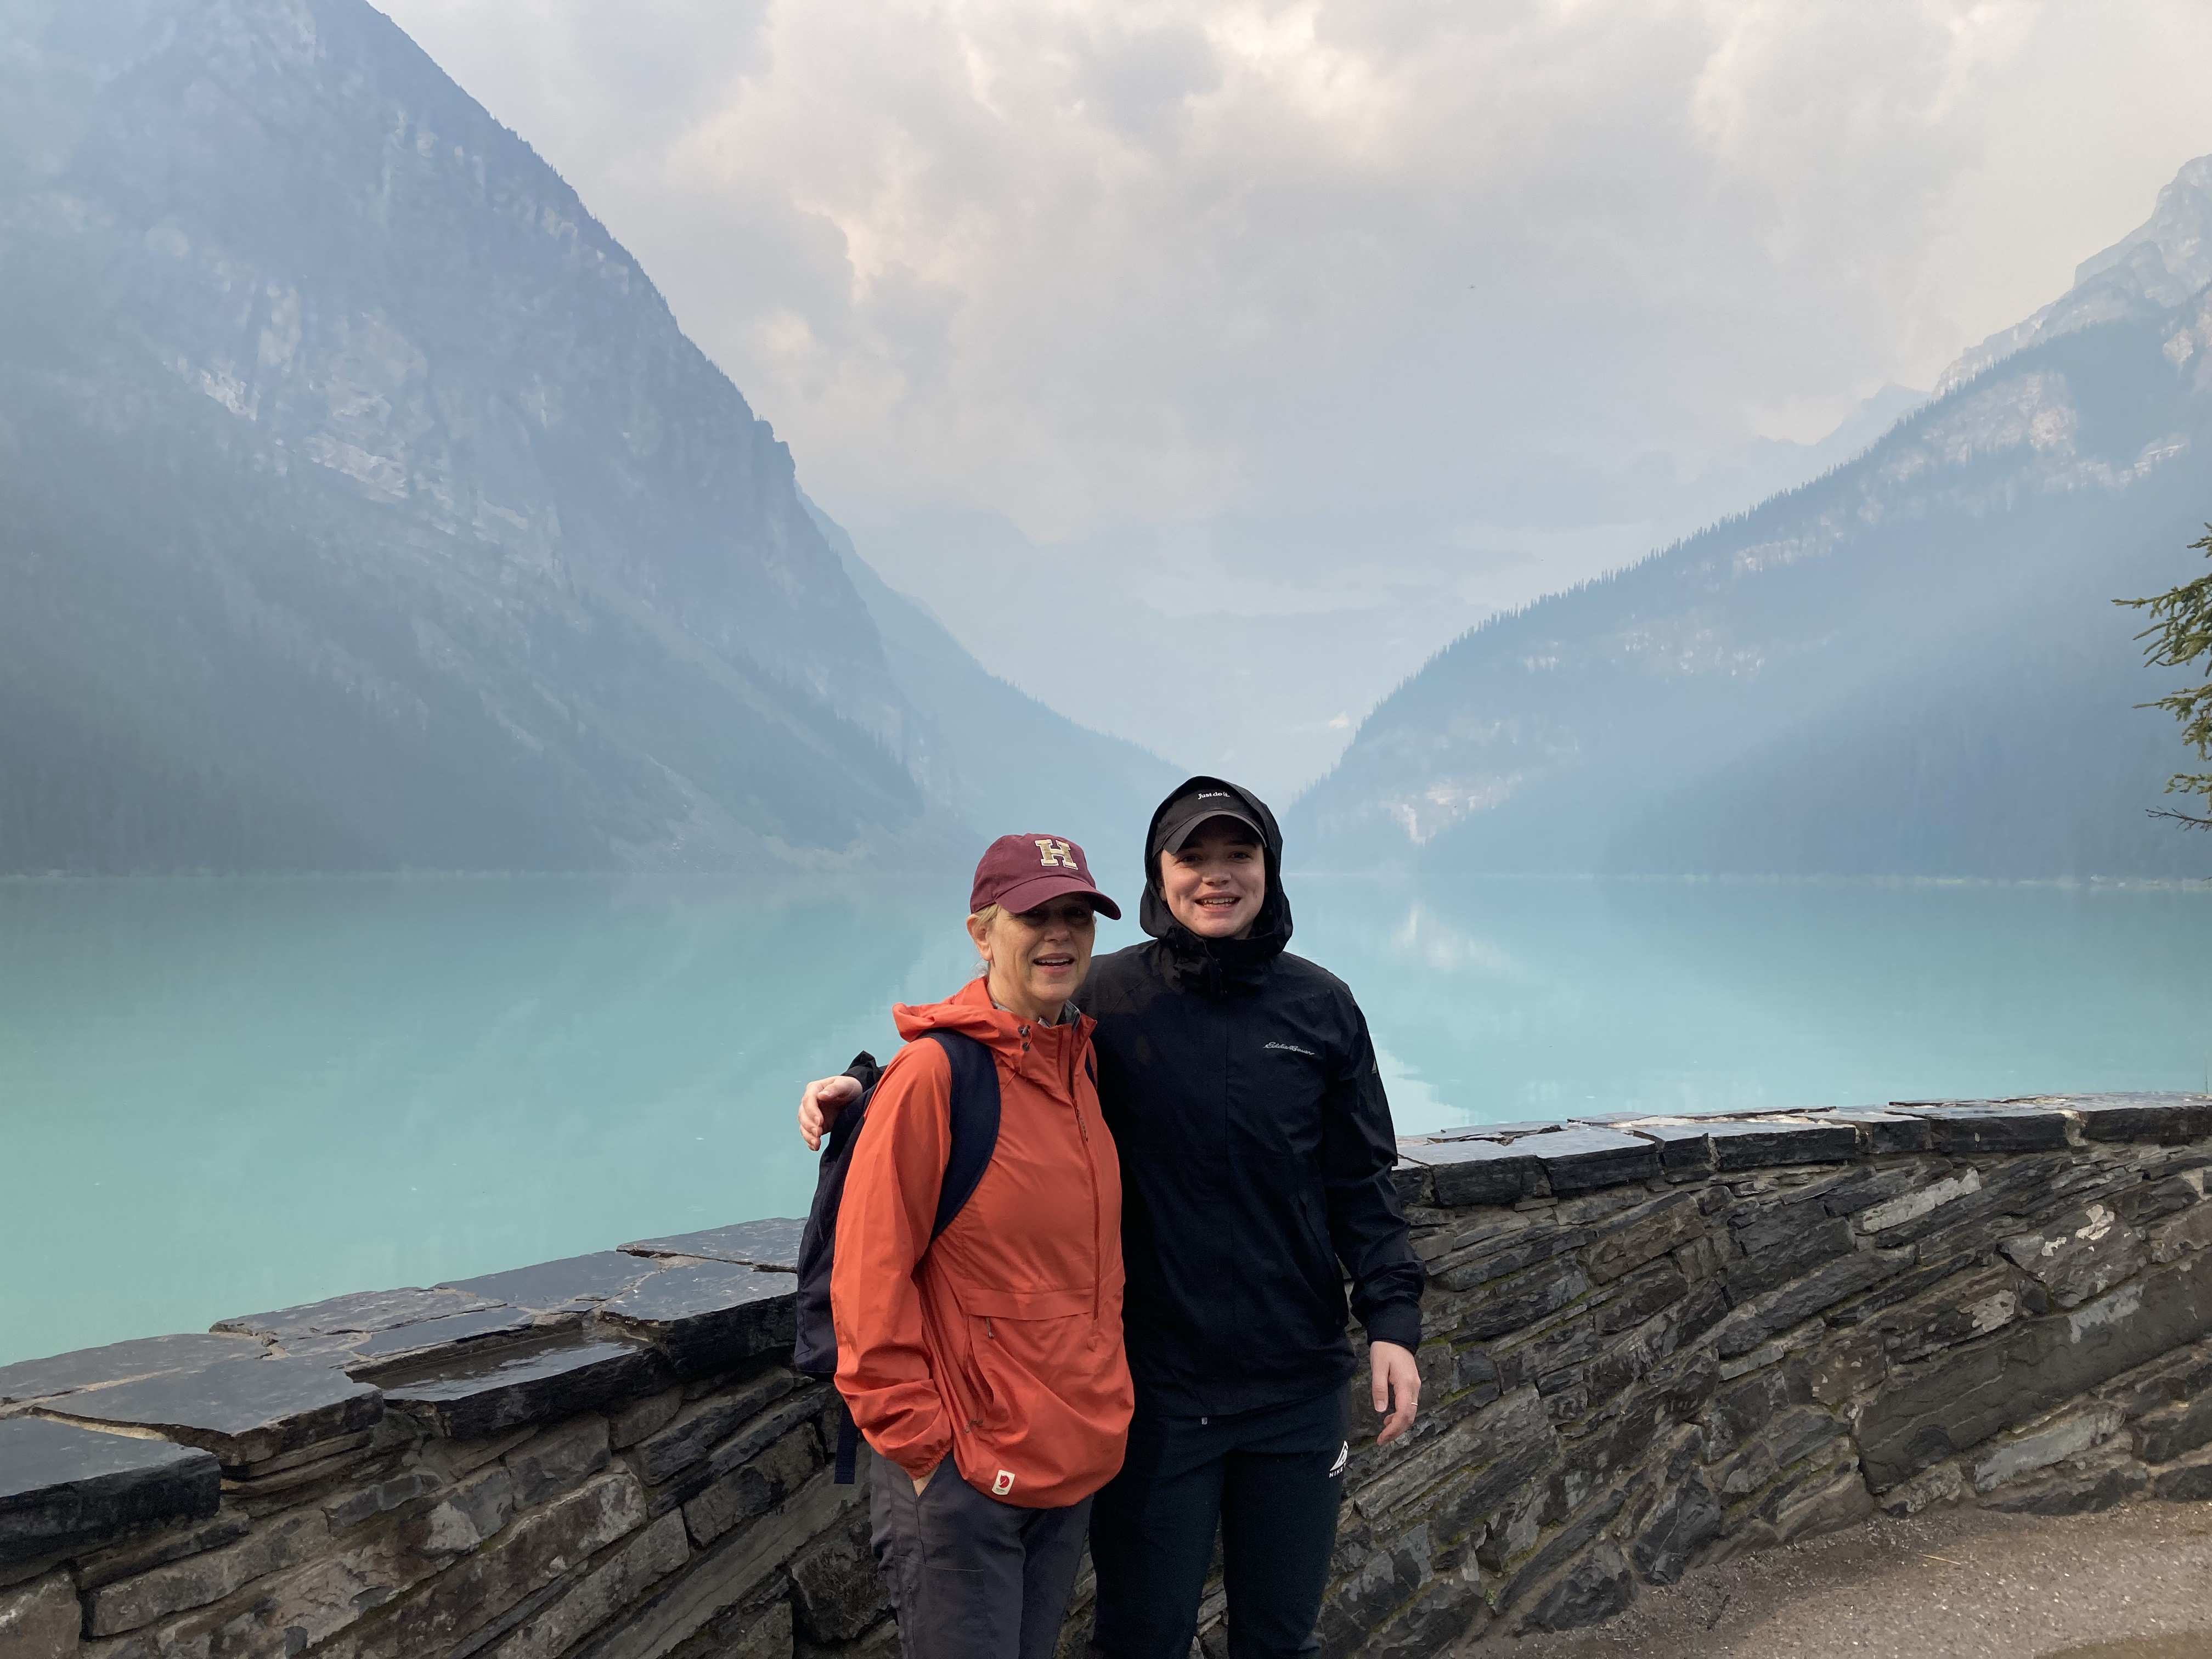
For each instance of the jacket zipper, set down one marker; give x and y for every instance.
(1091, 1172)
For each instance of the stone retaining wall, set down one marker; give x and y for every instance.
(1652, 1342)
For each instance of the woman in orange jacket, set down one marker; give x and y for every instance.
(986, 1367)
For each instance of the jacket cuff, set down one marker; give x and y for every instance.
(918, 1457)
(864, 1070)
(920, 1444)
(906, 1464)
(1394, 1321)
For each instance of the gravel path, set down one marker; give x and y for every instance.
(2133, 1582)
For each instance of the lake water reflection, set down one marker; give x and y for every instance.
(218, 1096)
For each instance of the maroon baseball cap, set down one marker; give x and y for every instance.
(1019, 872)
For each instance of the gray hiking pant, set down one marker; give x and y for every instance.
(971, 1578)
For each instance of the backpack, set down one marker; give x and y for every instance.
(974, 1138)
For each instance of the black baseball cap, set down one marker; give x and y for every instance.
(1180, 817)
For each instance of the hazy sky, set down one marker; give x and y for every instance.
(1282, 309)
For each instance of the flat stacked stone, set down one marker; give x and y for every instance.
(771, 1245)
(246, 1412)
(63, 1487)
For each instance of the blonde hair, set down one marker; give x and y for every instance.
(987, 916)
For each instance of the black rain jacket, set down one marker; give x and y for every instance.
(1256, 1150)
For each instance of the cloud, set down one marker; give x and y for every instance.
(1094, 262)
(1136, 274)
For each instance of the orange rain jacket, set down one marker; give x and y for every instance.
(1001, 1343)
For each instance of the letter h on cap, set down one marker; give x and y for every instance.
(1052, 852)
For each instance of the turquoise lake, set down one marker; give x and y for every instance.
(218, 1096)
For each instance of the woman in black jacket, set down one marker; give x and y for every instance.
(1256, 1149)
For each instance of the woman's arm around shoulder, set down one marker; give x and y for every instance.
(821, 1101)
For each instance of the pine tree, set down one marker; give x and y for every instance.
(2179, 635)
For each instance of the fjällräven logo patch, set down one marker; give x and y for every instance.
(1003, 1484)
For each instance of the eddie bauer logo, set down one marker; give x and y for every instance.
(1003, 1484)
(1053, 852)
(1292, 1048)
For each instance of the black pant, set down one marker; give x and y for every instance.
(970, 1577)
(1270, 1481)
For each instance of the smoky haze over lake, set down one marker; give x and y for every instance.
(370, 507)
(1242, 316)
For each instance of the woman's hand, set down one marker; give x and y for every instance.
(818, 1107)
(1397, 1388)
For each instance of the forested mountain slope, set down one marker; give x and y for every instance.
(1908, 666)
(362, 506)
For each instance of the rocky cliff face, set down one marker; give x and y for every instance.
(1909, 666)
(364, 504)
(2161, 263)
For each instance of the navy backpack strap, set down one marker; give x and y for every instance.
(849, 1445)
(975, 1121)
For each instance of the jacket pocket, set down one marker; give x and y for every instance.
(984, 1301)
(1016, 1341)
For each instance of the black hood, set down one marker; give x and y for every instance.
(1220, 967)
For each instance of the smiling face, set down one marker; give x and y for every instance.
(1215, 886)
(1038, 957)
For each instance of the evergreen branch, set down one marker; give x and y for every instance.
(2180, 633)
(2182, 818)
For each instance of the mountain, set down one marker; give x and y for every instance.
(1012, 762)
(2163, 263)
(362, 505)
(1909, 666)
(1280, 624)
